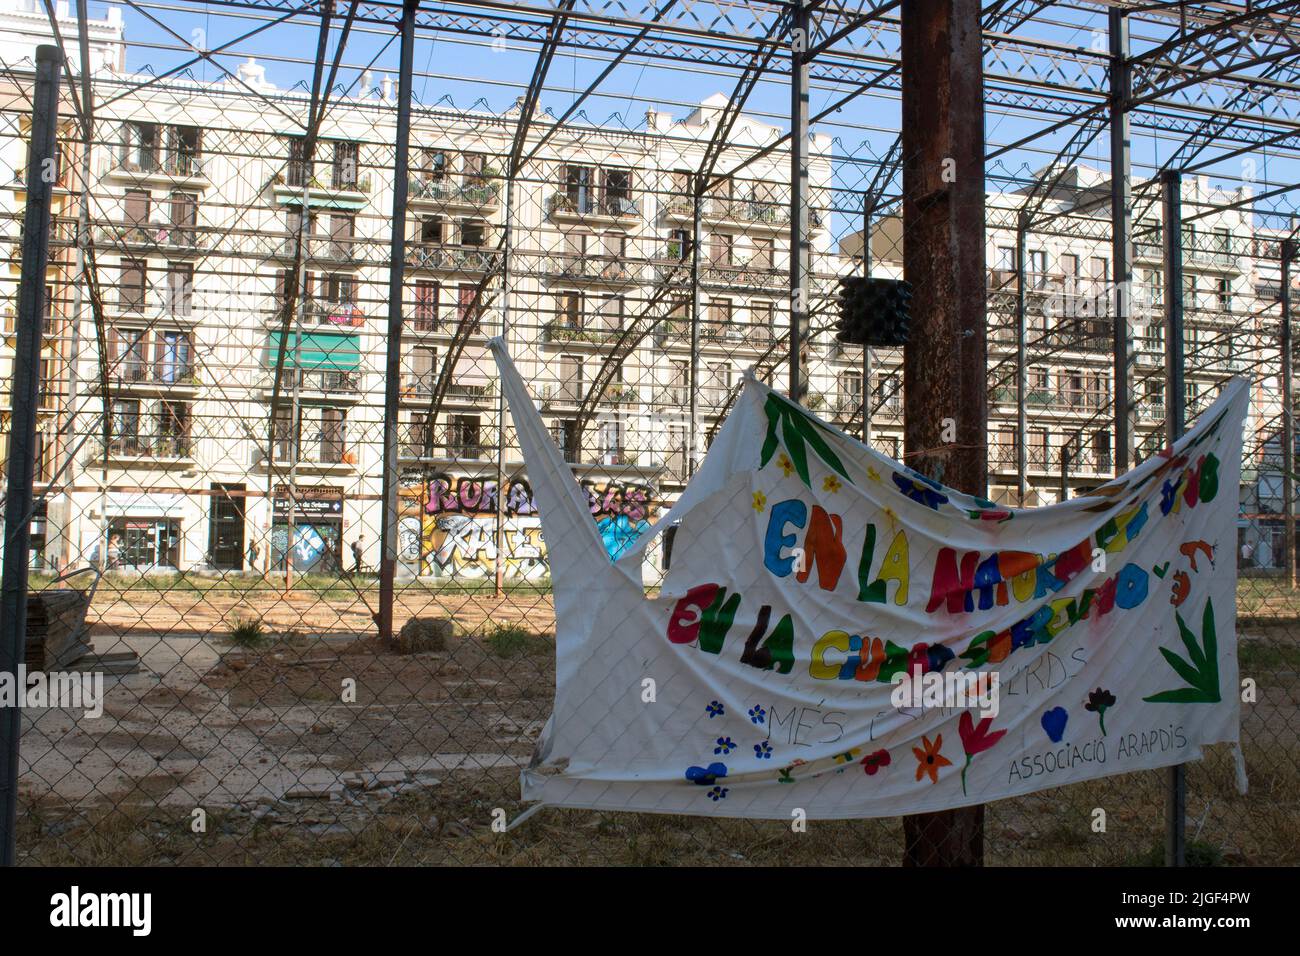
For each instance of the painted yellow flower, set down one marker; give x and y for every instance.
(872, 473)
(760, 501)
(785, 464)
(831, 483)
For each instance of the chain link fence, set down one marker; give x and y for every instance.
(216, 388)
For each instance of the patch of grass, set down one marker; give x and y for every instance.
(247, 632)
(515, 640)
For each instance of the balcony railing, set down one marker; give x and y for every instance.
(471, 193)
(154, 447)
(328, 381)
(561, 203)
(165, 235)
(164, 375)
(177, 165)
(607, 268)
(562, 331)
(444, 258)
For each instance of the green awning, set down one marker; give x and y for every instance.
(336, 351)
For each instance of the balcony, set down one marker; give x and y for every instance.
(561, 207)
(607, 269)
(314, 385)
(176, 378)
(760, 277)
(164, 238)
(314, 457)
(761, 216)
(472, 196)
(344, 194)
(183, 171)
(434, 257)
(341, 251)
(129, 450)
(564, 332)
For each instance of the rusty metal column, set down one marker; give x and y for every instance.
(1022, 372)
(25, 398)
(1288, 412)
(396, 301)
(944, 364)
(1121, 217)
(800, 244)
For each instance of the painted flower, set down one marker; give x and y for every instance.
(832, 484)
(872, 473)
(725, 745)
(975, 739)
(717, 793)
(1098, 701)
(760, 501)
(757, 714)
(848, 756)
(929, 760)
(763, 751)
(783, 776)
(715, 709)
(873, 762)
(785, 464)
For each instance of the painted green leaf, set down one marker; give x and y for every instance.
(1202, 670)
(789, 424)
(794, 445)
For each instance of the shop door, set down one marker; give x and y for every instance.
(226, 527)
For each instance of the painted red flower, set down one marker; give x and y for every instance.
(975, 739)
(873, 762)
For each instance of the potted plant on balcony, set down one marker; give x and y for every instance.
(561, 201)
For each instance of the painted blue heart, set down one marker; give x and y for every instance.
(1054, 721)
(706, 775)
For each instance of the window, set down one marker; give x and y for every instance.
(463, 440)
(431, 165)
(423, 362)
(609, 313)
(126, 426)
(180, 288)
(467, 311)
(341, 289)
(1037, 268)
(609, 438)
(564, 432)
(614, 245)
(716, 382)
(762, 255)
(570, 387)
(333, 424)
(1101, 449)
(678, 243)
(431, 230)
(850, 396)
(173, 356)
(130, 354)
(618, 192)
(345, 165)
(184, 218)
(173, 429)
(299, 172)
(578, 188)
(1073, 388)
(1223, 293)
(473, 232)
(760, 320)
(1038, 448)
(719, 318)
(140, 146)
(568, 309)
(1006, 258)
(426, 305)
(285, 435)
(184, 147)
(680, 382)
(136, 204)
(342, 231)
(721, 249)
(131, 288)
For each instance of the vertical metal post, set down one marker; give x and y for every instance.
(800, 241)
(867, 210)
(1121, 218)
(1175, 407)
(1288, 412)
(693, 375)
(945, 368)
(1022, 373)
(1065, 469)
(396, 302)
(507, 247)
(22, 425)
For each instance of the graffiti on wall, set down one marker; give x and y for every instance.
(450, 526)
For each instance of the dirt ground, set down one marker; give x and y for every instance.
(416, 763)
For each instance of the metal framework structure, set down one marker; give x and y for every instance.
(1155, 98)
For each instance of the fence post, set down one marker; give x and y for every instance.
(396, 302)
(22, 425)
(1121, 218)
(800, 243)
(1175, 409)
(1288, 412)
(1022, 373)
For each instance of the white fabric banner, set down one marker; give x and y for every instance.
(838, 634)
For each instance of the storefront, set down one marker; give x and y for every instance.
(143, 532)
(318, 529)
